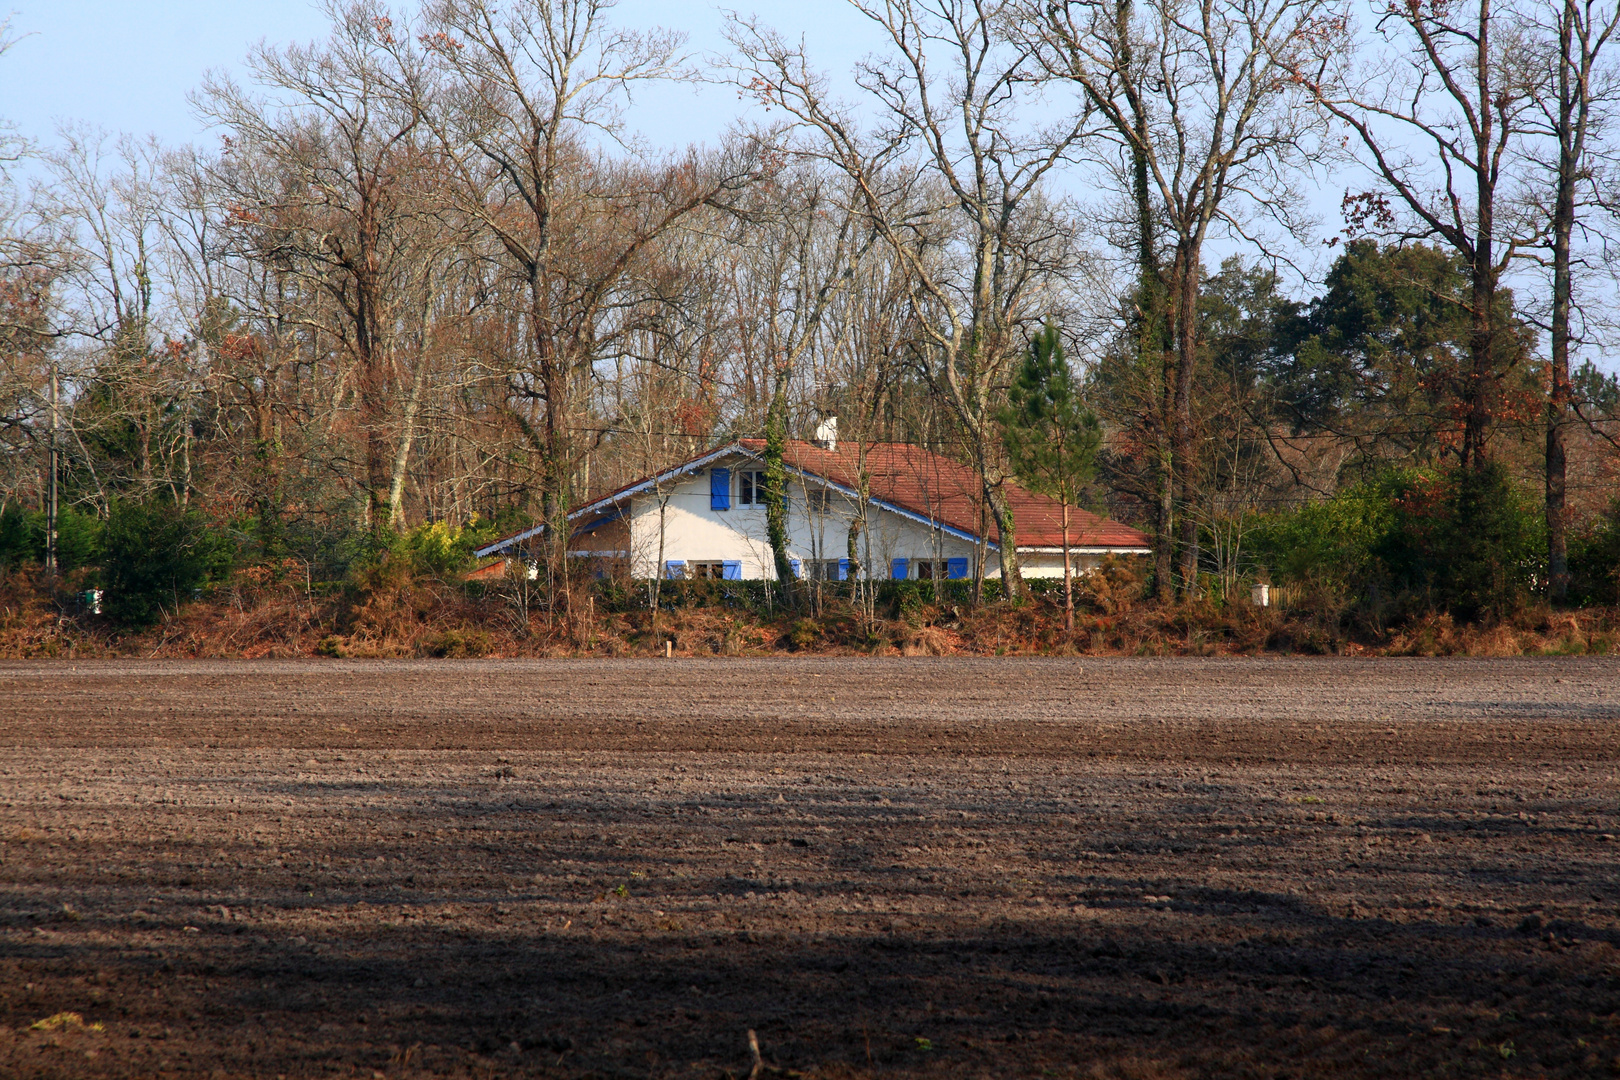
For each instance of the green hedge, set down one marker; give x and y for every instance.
(1468, 541)
(22, 538)
(762, 597)
(157, 556)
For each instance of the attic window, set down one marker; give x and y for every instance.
(820, 500)
(750, 489)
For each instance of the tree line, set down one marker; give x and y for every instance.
(428, 275)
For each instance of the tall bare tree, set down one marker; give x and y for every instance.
(522, 88)
(1574, 96)
(327, 176)
(953, 176)
(1207, 139)
(1437, 110)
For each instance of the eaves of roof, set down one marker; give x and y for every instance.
(898, 480)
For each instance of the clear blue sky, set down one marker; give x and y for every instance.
(127, 65)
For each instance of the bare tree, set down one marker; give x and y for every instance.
(1438, 115)
(800, 244)
(339, 206)
(105, 202)
(1202, 118)
(1573, 97)
(522, 88)
(952, 177)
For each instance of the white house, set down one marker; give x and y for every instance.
(922, 517)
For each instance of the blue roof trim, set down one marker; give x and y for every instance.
(617, 497)
(921, 519)
(502, 545)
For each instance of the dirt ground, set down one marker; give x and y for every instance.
(1117, 868)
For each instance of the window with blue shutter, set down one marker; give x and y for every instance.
(719, 489)
(843, 569)
(956, 568)
(899, 569)
(675, 569)
(793, 568)
(731, 571)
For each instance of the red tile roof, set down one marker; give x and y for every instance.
(918, 481)
(942, 490)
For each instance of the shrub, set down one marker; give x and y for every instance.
(22, 537)
(155, 556)
(436, 549)
(1594, 560)
(460, 644)
(1467, 540)
(1328, 546)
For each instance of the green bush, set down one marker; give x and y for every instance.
(1468, 540)
(804, 633)
(1328, 545)
(438, 549)
(1594, 560)
(156, 555)
(460, 644)
(22, 537)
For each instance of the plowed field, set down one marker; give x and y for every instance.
(1116, 868)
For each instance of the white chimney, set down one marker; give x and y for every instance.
(827, 434)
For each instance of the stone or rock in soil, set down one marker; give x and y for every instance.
(1154, 868)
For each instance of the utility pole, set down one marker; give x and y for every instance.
(50, 498)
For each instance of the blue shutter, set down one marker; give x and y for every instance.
(793, 568)
(675, 569)
(843, 569)
(731, 571)
(899, 569)
(956, 568)
(719, 489)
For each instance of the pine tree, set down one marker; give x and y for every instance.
(1051, 436)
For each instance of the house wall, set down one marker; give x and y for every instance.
(693, 532)
(1049, 564)
(609, 540)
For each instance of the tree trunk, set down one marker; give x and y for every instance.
(52, 495)
(407, 435)
(1164, 537)
(981, 549)
(267, 475)
(776, 485)
(1068, 575)
(1481, 344)
(554, 484)
(1012, 579)
(1181, 443)
(1571, 131)
(1482, 339)
(377, 473)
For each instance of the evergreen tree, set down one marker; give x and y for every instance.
(1051, 436)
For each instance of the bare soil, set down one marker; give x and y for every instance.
(961, 867)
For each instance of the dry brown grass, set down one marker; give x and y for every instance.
(268, 612)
